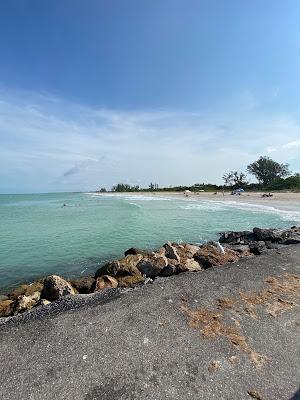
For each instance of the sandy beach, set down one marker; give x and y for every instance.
(288, 201)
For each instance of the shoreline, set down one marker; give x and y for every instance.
(285, 201)
(139, 267)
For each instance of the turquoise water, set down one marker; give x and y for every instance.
(38, 236)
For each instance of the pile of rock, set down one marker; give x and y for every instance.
(259, 240)
(138, 266)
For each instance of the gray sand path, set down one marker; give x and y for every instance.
(145, 344)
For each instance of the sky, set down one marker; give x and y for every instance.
(96, 92)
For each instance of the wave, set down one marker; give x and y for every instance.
(213, 205)
(137, 197)
(207, 205)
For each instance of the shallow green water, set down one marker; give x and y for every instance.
(38, 236)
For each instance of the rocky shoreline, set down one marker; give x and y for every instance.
(139, 267)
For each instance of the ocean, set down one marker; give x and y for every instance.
(39, 236)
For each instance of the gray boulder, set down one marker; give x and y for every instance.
(169, 270)
(83, 285)
(152, 266)
(257, 248)
(25, 303)
(127, 266)
(171, 252)
(135, 251)
(56, 287)
(269, 235)
(243, 237)
(111, 268)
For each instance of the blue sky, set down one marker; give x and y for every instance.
(97, 92)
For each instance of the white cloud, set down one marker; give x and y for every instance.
(295, 143)
(51, 144)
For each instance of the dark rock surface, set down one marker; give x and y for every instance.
(244, 237)
(207, 335)
(135, 251)
(83, 285)
(56, 287)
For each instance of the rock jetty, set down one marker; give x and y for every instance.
(141, 266)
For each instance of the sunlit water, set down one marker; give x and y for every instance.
(38, 236)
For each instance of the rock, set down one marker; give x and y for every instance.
(152, 266)
(168, 270)
(160, 252)
(257, 248)
(190, 250)
(242, 250)
(34, 287)
(105, 282)
(6, 308)
(189, 264)
(124, 267)
(135, 251)
(25, 303)
(288, 236)
(270, 245)
(239, 248)
(185, 261)
(84, 284)
(209, 256)
(111, 268)
(18, 291)
(127, 281)
(272, 235)
(3, 297)
(44, 302)
(244, 237)
(129, 265)
(291, 239)
(26, 290)
(171, 252)
(56, 287)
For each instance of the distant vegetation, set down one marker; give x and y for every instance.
(124, 187)
(270, 175)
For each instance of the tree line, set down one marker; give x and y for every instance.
(270, 175)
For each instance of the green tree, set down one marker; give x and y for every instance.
(124, 187)
(267, 170)
(235, 178)
(239, 179)
(228, 178)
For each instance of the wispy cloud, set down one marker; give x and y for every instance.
(289, 145)
(48, 143)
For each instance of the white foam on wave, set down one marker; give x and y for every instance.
(208, 205)
(204, 206)
(292, 215)
(138, 197)
(219, 205)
